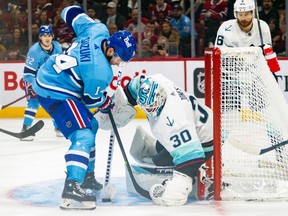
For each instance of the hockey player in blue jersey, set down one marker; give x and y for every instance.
(69, 84)
(37, 55)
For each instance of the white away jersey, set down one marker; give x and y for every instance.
(183, 125)
(230, 35)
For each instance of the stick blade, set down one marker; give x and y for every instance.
(109, 192)
(249, 139)
(237, 143)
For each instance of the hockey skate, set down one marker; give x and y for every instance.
(91, 183)
(29, 138)
(75, 198)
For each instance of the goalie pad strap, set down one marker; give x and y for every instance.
(163, 158)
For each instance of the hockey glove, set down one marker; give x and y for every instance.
(29, 91)
(271, 59)
(107, 105)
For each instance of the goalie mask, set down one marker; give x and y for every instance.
(151, 97)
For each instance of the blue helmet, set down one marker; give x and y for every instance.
(123, 43)
(45, 29)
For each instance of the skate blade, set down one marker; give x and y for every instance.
(70, 204)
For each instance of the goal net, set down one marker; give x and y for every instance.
(250, 114)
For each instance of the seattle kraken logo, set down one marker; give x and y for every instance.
(170, 122)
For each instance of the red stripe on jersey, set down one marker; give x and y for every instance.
(76, 113)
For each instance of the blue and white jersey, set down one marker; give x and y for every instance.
(82, 72)
(36, 57)
(183, 126)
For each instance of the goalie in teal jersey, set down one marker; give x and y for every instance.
(69, 84)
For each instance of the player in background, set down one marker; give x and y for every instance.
(37, 55)
(183, 132)
(69, 84)
(244, 32)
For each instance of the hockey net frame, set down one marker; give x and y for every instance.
(269, 179)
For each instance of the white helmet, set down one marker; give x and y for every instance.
(244, 6)
(151, 97)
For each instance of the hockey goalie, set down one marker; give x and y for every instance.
(182, 137)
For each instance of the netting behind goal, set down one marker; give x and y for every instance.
(250, 113)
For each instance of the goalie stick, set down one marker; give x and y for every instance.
(13, 102)
(32, 130)
(137, 187)
(248, 148)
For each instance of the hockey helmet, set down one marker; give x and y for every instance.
(151, 97)
(123, 43)
(244, 6)
(45, 29)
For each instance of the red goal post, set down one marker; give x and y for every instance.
(250, 112)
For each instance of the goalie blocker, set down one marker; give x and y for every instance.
(123, 112)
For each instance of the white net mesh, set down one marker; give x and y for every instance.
(254, 115)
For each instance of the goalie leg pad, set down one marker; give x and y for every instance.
(143, 146)
(174, 192)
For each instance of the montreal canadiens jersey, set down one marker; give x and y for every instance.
(183, 123)
(82, 72)
(36, 57)
(230, 35)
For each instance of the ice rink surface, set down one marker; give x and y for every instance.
(32, 176)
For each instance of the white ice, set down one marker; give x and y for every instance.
(38, 167)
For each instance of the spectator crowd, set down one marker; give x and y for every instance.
(166, 25)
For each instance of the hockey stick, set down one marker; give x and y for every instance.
(32, 130)
(109, 190)
(9, 104)
(258, 21)
(137, 187)
(251, 149)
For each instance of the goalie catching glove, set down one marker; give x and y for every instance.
(122, 111)
(172, 192)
